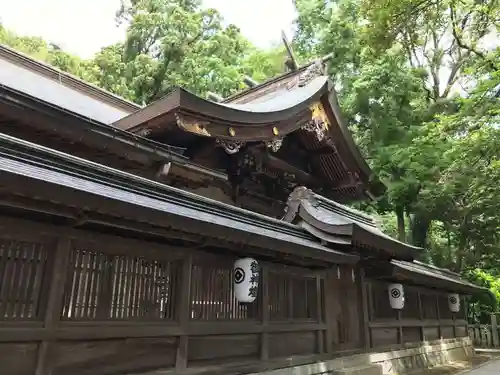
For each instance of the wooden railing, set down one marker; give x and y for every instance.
(485, 335)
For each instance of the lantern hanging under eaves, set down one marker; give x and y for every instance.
(454, 302)
(246, 279)
(396, 296)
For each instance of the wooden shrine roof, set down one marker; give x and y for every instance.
(96, 193)
(337, 224)
(301, 105)
(32, 77)
(341, 226)
(20, 108)
(38, 179)
(432, 276)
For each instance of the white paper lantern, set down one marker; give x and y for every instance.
(396, 296)
(246, 279)
(454, 302)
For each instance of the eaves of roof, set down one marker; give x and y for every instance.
(36, 162)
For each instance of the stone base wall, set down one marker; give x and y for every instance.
(399, 361)
(429, 354)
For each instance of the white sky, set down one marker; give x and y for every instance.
(83, 27)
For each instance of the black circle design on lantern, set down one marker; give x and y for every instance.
(239, 275)
(395, 293)
(453, 300)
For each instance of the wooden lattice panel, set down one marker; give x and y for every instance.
(212, 294)
(22, 265)
(125, 287)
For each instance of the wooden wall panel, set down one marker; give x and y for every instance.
(227, 347)
(461, 331)
(291, 343)
(107, 357)
(384, 336)
(431, 333)
(411, 334)
(447, 332)
(18, 359)
(334, 307)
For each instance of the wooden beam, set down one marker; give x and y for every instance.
(264, 337)
(58, 270)
(363, 307)
(328, 294)
(320, 335)
(436, 299)
(279, 164)
(420, 314)
(184, 313)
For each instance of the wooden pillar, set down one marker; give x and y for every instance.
(454, 319)
(345, 304)
(400, 327)
(420, 316)
(58, 272)
(362, 307)
(328, 294)
(494, 331)
(466, 314)
(184, 312)
(320, 335)
(440, 331)
(264, 338)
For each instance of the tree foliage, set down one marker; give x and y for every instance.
(419, 82)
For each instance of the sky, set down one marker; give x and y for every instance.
(83, 27)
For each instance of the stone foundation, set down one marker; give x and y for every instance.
(390, 362)
(427, 355)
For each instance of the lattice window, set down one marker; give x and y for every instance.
(212, 295)
(22, 266)
(104, 286)
(292, 297)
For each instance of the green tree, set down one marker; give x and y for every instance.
(419, 85)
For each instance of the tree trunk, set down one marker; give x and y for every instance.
(401, 223)
(420, 230)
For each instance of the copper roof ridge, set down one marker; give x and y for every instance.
(276, 79)
(67, 79)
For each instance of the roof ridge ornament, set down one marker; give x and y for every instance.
(293, 202)
(315, 70)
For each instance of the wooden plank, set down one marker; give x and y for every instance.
(184, 312)
(39, 232)
(108, 330)
(439, 317)
(319, 315)
(11, 334)
(363, 307)
(59, 263)
(400, 328)
(223, 348)
(118, 356)
(264, 338)
(494, 331)
(414, 323)
(328, 294)
(291, 343)
(420, 315)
